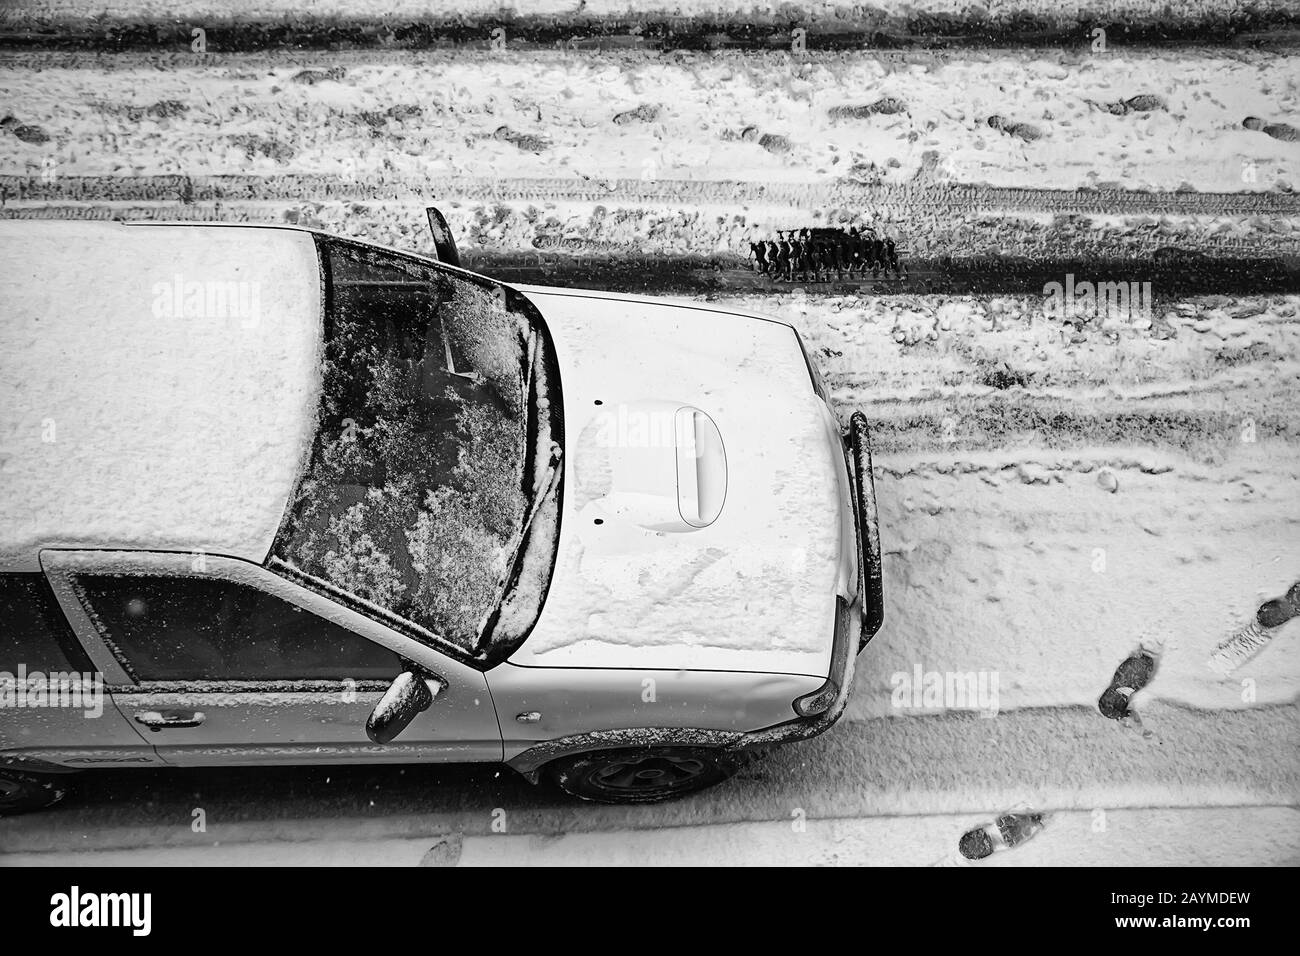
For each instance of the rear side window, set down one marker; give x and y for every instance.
(166, 628)
(33, 631)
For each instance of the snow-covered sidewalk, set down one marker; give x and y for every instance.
(1258, 836)
(1157, 120)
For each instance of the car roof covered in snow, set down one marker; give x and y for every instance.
(158, 385)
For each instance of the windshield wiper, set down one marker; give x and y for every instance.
(510, 578)
(544, 486)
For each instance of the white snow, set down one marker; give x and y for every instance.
(1006, 550)
(756, 589)
(1159, 836)
(559, 109)
(127, 423)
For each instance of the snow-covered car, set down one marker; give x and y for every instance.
(272, 496)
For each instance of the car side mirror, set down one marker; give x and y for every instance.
(408, 696)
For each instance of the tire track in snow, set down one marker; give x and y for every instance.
(234, 188)
(1055, 759)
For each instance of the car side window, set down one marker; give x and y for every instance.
(33, 631)
(170, 628)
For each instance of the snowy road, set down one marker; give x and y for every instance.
(961, 766)
(1267, 836)
(1052, 495)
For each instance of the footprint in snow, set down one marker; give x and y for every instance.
(645, 113)
(1283, 131)
(312, 77)
(1007, 831)
(1133, 673)
(1142, 103)
(446, 851)
(1025, 131)
(528, 142)
(885, 106)
(772, 142)
(28, 134)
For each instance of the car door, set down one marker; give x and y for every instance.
(53, 704)
(223, 662)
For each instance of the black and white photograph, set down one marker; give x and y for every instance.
(688, 433)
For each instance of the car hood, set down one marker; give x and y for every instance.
(705, 522)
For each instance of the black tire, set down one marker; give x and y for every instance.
(640, 774)
(22, 792)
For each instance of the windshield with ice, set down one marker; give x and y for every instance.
(432, 494)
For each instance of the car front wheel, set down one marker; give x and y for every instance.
(21, 791)
(640, 774)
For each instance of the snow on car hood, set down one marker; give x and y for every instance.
(158, 385)
(702, 522)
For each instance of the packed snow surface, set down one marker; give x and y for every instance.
(1149, 120)
(158, 385)
(754, 590)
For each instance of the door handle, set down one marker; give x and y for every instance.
(156, 721)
